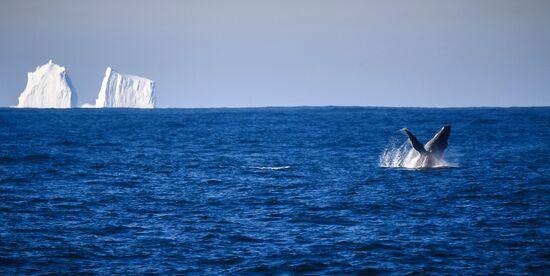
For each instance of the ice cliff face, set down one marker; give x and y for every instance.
(48, 87)
(120, 90)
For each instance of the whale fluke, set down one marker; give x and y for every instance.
(414, 141)
(433, 149)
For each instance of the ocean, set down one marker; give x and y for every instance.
(272, 190)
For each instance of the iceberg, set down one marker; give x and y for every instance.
(121, 90)
(48, 86)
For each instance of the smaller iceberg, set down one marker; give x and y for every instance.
(48, 86)
(126, 91)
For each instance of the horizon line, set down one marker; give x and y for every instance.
(303, 106)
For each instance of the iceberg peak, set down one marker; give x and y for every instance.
(48, 86)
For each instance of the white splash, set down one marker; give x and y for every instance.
(405, 156)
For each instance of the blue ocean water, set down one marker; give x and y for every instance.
(274, 190)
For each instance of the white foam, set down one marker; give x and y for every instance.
(273, 168)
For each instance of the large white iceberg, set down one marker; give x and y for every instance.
(48, 86)
(121, 90)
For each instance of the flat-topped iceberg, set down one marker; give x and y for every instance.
(121, 90)
(48, 86)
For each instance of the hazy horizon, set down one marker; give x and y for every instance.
(208, 54)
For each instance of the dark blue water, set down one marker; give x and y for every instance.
(297, 190)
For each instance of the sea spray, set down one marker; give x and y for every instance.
(404, 156)
(399, 156)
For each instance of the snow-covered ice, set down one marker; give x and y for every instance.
(48, 86)
(121, 90)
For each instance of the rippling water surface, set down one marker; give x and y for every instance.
(301, 190)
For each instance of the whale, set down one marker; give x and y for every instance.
(433, 150)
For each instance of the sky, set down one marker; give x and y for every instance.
(288, 53)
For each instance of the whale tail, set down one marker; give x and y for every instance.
(414, 142)
(439, 142)
(435, 146)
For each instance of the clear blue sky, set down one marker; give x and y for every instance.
(287, 53)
